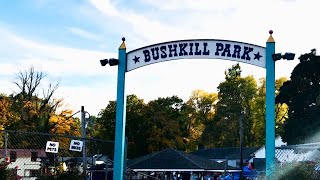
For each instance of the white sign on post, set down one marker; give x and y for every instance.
(52, 147)
(76, 145)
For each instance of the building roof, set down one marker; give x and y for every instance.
(226, 153)
(174, 160)
(25, 152)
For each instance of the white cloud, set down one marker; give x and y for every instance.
(293, 23)
(105, 6)
(93, 98)
(246, 21)
(54, 59)
(7, 68)
(59, 62)
(139, 25)
(5, 86)
(83, 33)
(199, 5)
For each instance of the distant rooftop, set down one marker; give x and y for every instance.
(226, 153)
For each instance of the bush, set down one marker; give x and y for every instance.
(73, 174)
(7, 174)
(297, 171)
(4, 172)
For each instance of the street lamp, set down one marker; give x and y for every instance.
(288, 56)
(83, 120)
(270, 102)
(111, 62)
(119, 165)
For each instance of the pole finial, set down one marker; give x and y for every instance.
(123, 45)
(270, 39)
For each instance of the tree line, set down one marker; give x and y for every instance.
(27, 110)
(205, 119)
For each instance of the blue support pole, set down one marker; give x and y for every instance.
(120, 115)
(270, 106)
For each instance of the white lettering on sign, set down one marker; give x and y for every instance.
(76, 145)
(52, 147)
(197, 49)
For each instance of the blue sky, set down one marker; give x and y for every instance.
(66, 39)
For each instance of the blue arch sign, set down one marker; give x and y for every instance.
(195, 49)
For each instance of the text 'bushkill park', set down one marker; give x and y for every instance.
(192, 49)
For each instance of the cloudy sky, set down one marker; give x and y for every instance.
(66, 39)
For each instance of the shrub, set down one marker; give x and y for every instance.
(7, 174)
(72, 174)
(297, 171)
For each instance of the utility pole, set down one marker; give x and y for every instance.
(125, 159)
(241, 141)
(83, 136)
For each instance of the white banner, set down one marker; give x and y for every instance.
(197, 49)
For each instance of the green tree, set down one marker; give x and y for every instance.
(200, 109)
(149, 127)
(281, 108)
(241, 97)
(259, 112)
(236, 96)
(165, 116)
(26, 110)
(136, 125)
(302, 95)
(91, 126)
(29, 110)
(106, 122)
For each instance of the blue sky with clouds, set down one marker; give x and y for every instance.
(66, 39)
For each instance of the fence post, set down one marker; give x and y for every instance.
(107, 170)
(83, 136)
(5, 144)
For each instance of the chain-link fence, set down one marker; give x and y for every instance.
(33, 155)
(301, 161)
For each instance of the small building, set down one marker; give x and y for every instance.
(27, 162)
(231, 155)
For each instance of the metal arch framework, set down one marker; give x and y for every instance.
(195, 49)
